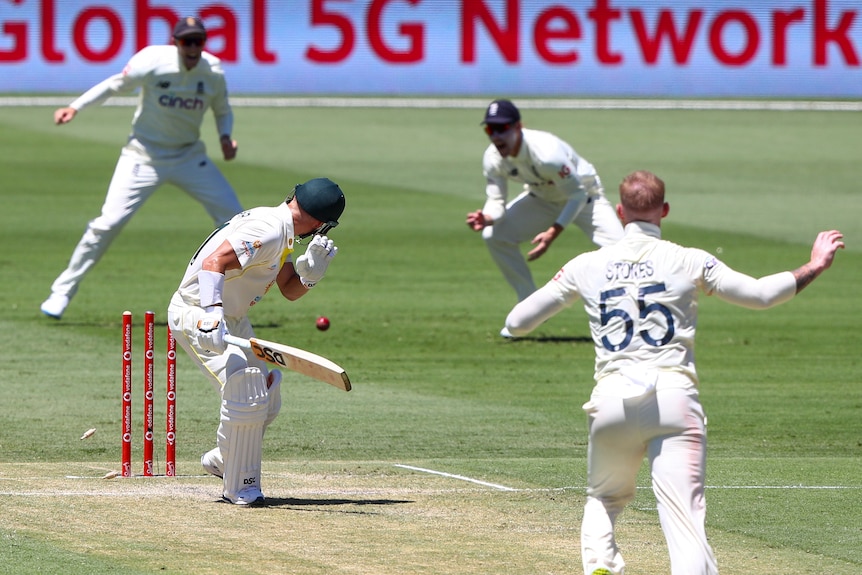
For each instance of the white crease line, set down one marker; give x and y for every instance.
(120, 477)
(77, 494)
(397, 491)
(461, 477)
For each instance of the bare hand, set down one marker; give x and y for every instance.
(228, 148)
(476, 221)
(64, 115)
(825, 246)
(822, 254)
(543, 241)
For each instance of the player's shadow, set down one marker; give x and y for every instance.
(553, 339)
(322, 504)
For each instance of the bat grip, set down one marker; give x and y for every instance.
(239, 341)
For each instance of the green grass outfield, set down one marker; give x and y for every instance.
(416, 305)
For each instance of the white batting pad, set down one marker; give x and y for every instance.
(244, 410)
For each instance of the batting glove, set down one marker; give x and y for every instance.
(313, 263)
(211, 331)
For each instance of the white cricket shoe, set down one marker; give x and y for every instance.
(212, 463)
(505, 333)
(55, 305)
(251, 496)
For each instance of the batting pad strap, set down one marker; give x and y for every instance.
(274, 403)
(211, 286)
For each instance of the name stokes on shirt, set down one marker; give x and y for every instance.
(624, 270)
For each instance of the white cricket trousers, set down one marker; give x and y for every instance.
(667, 425)
(528, 215)
(134, 181)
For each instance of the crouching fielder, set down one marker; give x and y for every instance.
(233, 269)
(641, 298)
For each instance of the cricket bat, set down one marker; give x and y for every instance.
(295, 359)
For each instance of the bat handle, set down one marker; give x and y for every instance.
(239, 341)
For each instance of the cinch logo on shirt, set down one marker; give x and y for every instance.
(169, 101)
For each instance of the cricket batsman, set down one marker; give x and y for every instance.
(229, 274)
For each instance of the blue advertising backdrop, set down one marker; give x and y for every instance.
(554, 48)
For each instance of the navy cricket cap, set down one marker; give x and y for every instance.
(190, 27)
(501, 112)
(322, 199)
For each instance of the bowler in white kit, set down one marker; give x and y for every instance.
(641, 298)
(178, 83)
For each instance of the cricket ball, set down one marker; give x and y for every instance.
(323, 323)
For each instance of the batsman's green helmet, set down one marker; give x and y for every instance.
(322, 199)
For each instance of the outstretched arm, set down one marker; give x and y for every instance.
(765, 292)
(532, 312)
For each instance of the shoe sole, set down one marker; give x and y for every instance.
(259, 502)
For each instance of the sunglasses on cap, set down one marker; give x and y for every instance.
(192, 41)
(498, 128)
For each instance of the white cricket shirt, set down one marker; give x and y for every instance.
(641, 298)
(548, 167)
(263, 239)
(172, 100)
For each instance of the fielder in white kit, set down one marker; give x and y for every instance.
(231, 272)
(559, 188)
(641, 297)
(178, 84)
